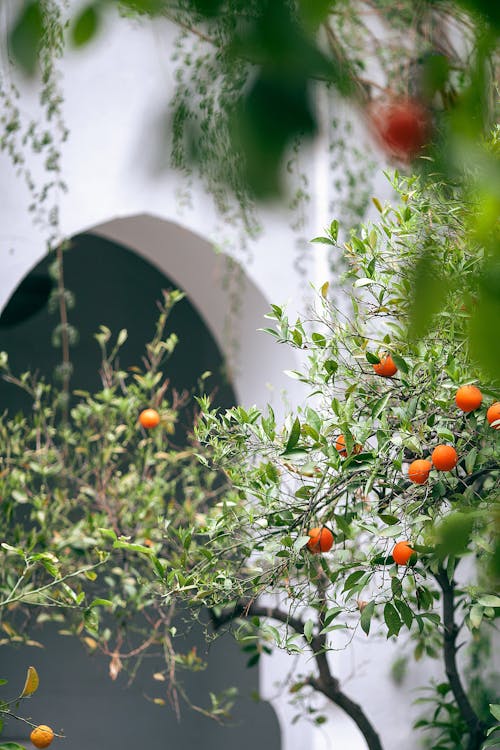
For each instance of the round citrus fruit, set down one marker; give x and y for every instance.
(386, 367)
(402, 553)
(468, 398)
(418, 471)
(493, 415)
(149, 418)
(403, 127)
(340, 445)
(444, 457)
(42, 736)
(320, 540)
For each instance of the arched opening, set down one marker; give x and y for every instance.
(116, 287)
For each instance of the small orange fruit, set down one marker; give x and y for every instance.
(444, 457)
(493, 415)
(149, 418)
(341, 447)
(42, 736)
(386, 367)
(321, 540)
(468, 398)
(418, 471)
(402, 553)
(403, 126)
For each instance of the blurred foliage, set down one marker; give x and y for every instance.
(247, 83)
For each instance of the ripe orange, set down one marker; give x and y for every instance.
(418, 471)
(321, 540)
(403, 127)
(149, 418)
(468, 398)
(444, 457)
(402, 553)
(386, 367)
(493, 415)
(42, 736)
(341, 446)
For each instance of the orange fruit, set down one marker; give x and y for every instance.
(320, 540)
(493, 415)
(386, 367)
(42, 736)
(403, 127)
(468, 398)
(402, 553)
(444, 457)
(341, 447)
(418, 471)
(149, 418)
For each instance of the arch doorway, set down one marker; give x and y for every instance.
(116, 287)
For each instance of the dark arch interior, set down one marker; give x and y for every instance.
(115, 287)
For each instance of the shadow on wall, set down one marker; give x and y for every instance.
(115, 287)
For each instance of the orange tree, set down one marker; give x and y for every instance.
(389, 458)
(89, 487)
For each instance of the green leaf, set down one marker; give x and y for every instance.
(430, 291)
(26, 35)
(334, 228)
(380, 404)
(308, 630)
(453, 534)
(484, 321)
(319, 339)
(366, 617)
(294, 436)
(470, 460)
(489, 600)
(132, 547)
(353, 579)
(405, 612)
(331, 614)
(84, 28)
(300, 542)
(101, 603)
(400, 363)
(372, 358)
(392, 620)
(323, 240)
(12, 746)
(495, 710)
(476, 616)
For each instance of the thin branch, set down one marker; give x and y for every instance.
(476, 727)
(325, 683)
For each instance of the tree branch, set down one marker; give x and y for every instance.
(325, 683)
(476, 727)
